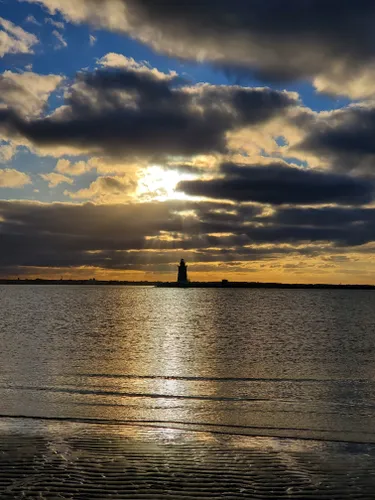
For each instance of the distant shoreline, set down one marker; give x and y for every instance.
(196, 284)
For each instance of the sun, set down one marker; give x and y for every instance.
(159, 184)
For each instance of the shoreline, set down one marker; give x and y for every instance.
(196, 284)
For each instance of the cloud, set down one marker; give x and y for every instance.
(31, 19)
(92, 39)
(343, 139)
(111, 236)
(148, 235)
(10, 178)
(39, 234)
(132, 112)
(7, 151)
(62, 44)
(115, 60)
(66, 167)
(106, 189)
(57, 24)
(319, 40)
(100, 164)
(278, 184)
(27, 93)
(356, 82)
(55, 179)
(341, 225)
(325, 217)
(276, 234)
(15, 40)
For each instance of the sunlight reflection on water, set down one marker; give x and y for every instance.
(262, 362)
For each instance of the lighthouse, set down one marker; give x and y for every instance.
(182, 273)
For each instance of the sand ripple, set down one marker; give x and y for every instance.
(83, 462)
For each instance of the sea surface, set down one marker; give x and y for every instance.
(296, 363)
(196, 367)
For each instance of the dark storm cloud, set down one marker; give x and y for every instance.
(138, 113)
(345, 138)
(277, 38)
(280, 184)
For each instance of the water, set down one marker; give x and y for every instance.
(127, 393)
(292, 363)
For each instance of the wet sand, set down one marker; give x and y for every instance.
(54, 460)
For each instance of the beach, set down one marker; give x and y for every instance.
(54, 460)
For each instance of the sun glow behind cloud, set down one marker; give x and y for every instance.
(159, 184)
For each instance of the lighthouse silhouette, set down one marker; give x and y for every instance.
(182, 273)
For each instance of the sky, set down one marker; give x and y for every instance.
(238, 135)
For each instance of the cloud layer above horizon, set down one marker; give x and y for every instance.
(238, 135)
